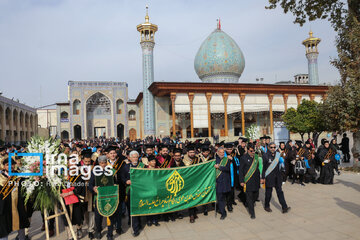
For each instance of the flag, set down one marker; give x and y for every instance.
(168, 190)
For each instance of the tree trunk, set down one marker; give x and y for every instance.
(302, 136)
(308, 135)
(356, 148)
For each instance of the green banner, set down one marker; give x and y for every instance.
(168, 190)
(107, 200)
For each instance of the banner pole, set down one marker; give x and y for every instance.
(130, 205)
(215, 194)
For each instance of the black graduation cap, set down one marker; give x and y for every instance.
(267, 137)
(161, 146)
(326, 141)
(205, 147)
(2, 149)
(110, 148)
(190, 147)
(66, 145)
(245, 140)
(298, 142)
(177, 150)
(86, 153)
(151, 157)
(263, 137)
(281, 143)
(150, 145)
(307, 142)
(229, 145)
(6, 160)
(221, 143)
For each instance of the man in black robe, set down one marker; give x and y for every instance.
(345, 148)
(251, 187)
(13, 215)
(223, 186)
(273, 178)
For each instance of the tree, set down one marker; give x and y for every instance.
(307, 118)
(332, 10)
(341, 108)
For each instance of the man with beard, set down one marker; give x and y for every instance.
(249, 175)
(149, 150)
(177, 162)
(190, 158)
(163, 158)
(205, 153)
(328, 163)
(273, 177)
(223, 186)
(309, 158)
(263, 146)
(13, 216)
(125, 177)
(241, 152)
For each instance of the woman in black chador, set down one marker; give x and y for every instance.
(328, 164)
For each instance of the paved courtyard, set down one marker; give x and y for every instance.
(317, 212)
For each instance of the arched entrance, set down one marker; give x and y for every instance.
(65, 135)
(132, 134)
(98, 115)
(120, 131)
(77, 132)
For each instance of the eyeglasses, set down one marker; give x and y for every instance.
(251, 151)
(272, 147)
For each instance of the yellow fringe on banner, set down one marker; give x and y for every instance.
(108, 222)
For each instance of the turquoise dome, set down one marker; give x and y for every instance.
(219, 59)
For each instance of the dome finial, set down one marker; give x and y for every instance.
(147, 15)
(218, 24)
(311, 34)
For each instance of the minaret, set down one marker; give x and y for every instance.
(312, 54)
(147, 31)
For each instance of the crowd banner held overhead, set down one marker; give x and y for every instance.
(168, 190)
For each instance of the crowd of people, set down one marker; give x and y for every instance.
(242, 168)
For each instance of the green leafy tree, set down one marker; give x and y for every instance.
(307, 118)
(341, 108)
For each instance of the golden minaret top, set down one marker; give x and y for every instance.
(147, 30)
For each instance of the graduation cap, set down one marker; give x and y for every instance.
(267, 137)
(66, 145)
(110, 148)
(263, 137)
(326, 141)
(6, 160)
(190, 147)
(221, 143)
(2, 149)
(177, 150)
(298, 142)
(86, 152)
(307, 142)
(150, 145)
(229, 145)
(205, 147)
(151, 158)
(161, 146)
(281, 143)
(245, 140)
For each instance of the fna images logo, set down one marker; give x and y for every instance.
(60, 166)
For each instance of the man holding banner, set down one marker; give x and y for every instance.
(273, 178)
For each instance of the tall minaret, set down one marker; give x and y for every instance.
(312, 54)
(147, 31)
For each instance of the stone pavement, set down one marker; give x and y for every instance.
(317, 212)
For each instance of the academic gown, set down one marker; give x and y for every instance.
(327, 171)
(275, 177)
(223, 182)
(13, 215)
(253, 184)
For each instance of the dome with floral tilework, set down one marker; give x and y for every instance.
(219, 59)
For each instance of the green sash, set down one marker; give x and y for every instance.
(251, 170)
(223, 163)
(107, 200)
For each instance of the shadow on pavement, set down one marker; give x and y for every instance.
(349, 184)
(349, 206)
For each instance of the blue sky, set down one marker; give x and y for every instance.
(46, 43)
